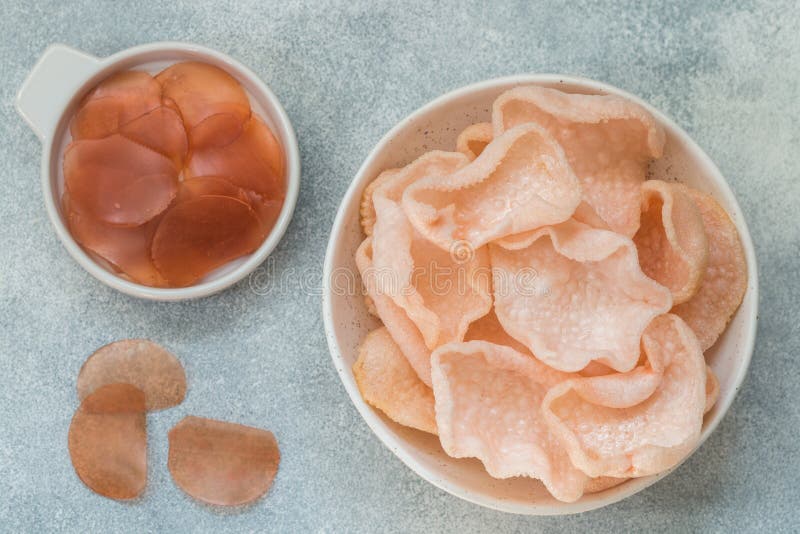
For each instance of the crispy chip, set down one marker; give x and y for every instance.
(595, 368)
(370, 305)
(488, 328)
(672, 244)
(712, 390)
(725, 278)
(222, 463)
(520, 182)
(636, 423)
(474, 138)
(573, 294)
(487, 407)
(608, 140)
(367, 209)
(388, 382)
(596, 485)
(140, 363)
(440, 291)
(108, 441)
(402, 329)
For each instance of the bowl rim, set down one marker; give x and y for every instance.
(590, 501)
(291, 153)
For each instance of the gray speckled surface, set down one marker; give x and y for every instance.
(728, 72)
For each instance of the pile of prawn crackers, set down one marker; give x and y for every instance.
(545, 306)
(216, 462)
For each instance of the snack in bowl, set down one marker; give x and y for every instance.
(142, 147)
(582, 368)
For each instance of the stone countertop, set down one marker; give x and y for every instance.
(728, 72)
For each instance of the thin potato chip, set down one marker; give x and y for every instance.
(440, 291)
(609, 141)
(474, 138)
(573, 294)
(487, 407)
(388, 382)
(140, 363)
(403, 330)
(725, 277)
(222, 463)
(637, 423)
(672, 244)
(520, 182)
(108, 441)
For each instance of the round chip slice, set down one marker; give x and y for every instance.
(138, 362)
(252, 161)
(474, 138)
(126, 249)
(213, 104)
(388, 382)
(608, 140)
(520, 182)
(205, 186)
(222, 463)
(671, 241)
(199, 235)
(487, 407)
(573, 294)
(266, 210)
(161, 130)
(118, 100)
(725, 278)
(108, 441)
(637, 423)
(118, 181)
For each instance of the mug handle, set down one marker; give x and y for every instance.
(53, 81)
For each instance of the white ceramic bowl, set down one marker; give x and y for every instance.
(55, 87)
(436, 125)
